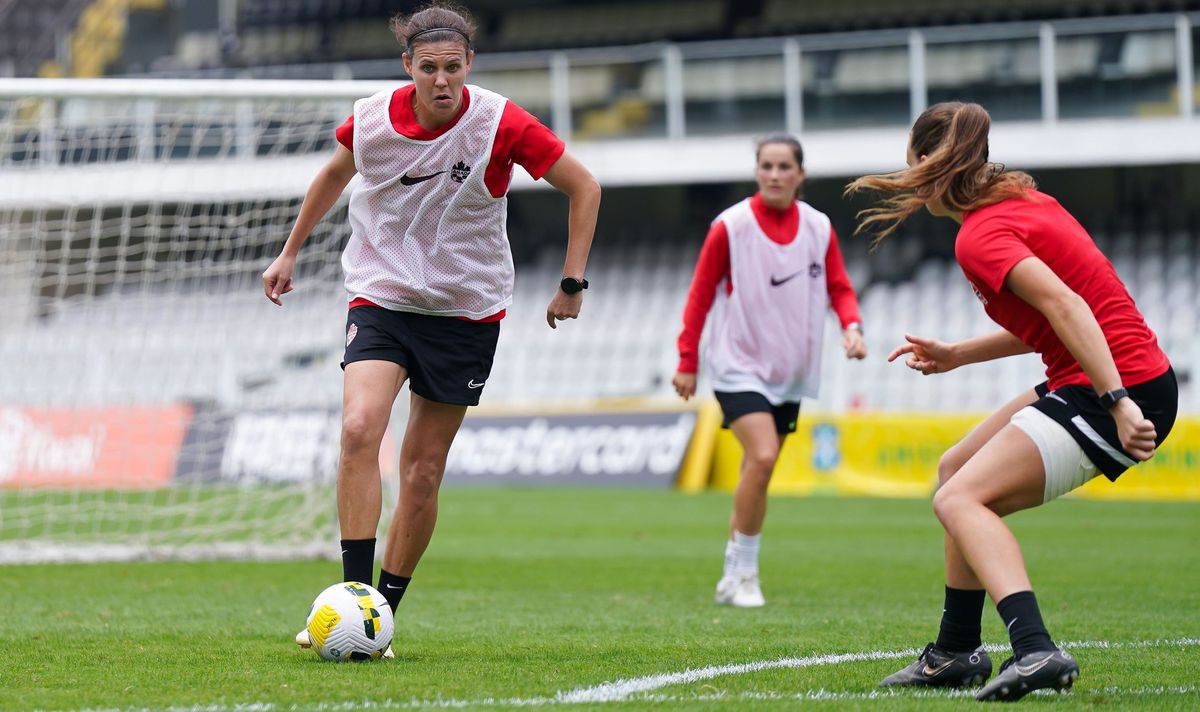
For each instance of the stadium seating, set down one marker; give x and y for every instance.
(30, 28)
(283, 32)
(610, 23)
(222, 347)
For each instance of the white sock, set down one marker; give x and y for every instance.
(730, 559)
(745, 553)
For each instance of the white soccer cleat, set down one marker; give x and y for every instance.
(388, 654)
(725, 590)
(742, 591)
(303, 640)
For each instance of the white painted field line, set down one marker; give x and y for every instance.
(820, 695)
(638, 689)
(623, 689)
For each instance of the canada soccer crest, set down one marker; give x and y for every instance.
(459, 172)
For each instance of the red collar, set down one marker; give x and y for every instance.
(404, 119)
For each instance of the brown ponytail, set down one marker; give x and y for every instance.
(434, 22)
(953, 139)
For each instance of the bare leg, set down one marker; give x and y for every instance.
(981, 552)
(1004, 476)
(431, 430)
(958, 573)
(760, 447)
(370, 390)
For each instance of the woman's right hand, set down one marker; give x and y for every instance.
(926, 355)
(277, 280)
(1137, 434)
(685, 384)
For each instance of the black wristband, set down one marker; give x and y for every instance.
(1109, 399)
(570, 285)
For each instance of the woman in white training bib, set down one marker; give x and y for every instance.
(769, 270)
(428, 272)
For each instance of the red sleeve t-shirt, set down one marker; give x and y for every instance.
(713, 266)
(520, 140)
(993, 239)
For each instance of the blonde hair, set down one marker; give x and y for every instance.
(952, 137)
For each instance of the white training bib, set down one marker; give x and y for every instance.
(766, 335)
(427, 235)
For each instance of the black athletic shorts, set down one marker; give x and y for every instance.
(1077, 409)
(735, 405)
(448, 360)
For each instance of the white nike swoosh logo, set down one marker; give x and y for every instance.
(1010, 624)
(473, 385)
(388, 585)
(1027, 671)
(345, 551)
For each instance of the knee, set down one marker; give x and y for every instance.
(760, 462)
(943, 502)
(950, 463)
(359, 434)
(421, 478)
(949, 502)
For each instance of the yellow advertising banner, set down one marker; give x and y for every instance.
(896, 455)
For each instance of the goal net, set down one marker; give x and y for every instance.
(153, 403)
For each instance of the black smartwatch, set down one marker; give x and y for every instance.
(570, 285)
(1108, 400)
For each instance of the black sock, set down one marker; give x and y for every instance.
(358, 560)
(393, 587)
(961, 626)
(1023, 620)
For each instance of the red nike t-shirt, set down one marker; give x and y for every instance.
(520, 140)
(993, 239)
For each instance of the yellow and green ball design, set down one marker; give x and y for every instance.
(350, 621)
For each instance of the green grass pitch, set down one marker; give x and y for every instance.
(529, 596)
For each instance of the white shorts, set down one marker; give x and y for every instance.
(1067, 467)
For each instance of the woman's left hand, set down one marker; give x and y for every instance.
(563, 306)
(854, 343)
(1136, 432)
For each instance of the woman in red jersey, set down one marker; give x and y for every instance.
(773, 267)
(429, 273)
(1109, 400)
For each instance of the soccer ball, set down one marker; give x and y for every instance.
(350, 621)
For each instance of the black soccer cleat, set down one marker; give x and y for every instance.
(941, 668)
(1034, 671)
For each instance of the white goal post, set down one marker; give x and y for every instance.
(152, 402)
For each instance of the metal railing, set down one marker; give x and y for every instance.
(1141, 65)
(793, 53)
